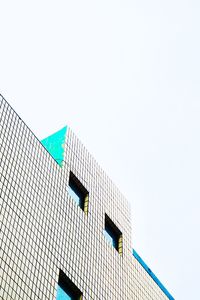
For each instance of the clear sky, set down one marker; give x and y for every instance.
(125, 76)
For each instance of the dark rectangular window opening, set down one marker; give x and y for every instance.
(67, 290)
(78, 192)
(113, 234)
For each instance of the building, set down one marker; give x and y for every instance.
(65, 227)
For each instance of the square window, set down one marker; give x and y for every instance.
(78, 192)
(67, 290)
(113, 234)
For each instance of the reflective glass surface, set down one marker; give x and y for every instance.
(62, 295)
(110, 238)
(74, 196)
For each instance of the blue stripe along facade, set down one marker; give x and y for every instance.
(153, 276)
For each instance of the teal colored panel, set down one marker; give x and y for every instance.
(55, 144)
(62, 295)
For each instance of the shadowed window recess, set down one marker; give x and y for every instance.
(67, 290)
(113, 234)
(78, 192)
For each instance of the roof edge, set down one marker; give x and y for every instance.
(153, 276)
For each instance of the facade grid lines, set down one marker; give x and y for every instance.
(43, 230)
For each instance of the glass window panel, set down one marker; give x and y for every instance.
(74, 196)
(62, 295)
(109, 238)
(113, 234)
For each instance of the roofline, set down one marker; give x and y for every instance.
(153, 276)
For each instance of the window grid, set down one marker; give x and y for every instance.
(43, 231)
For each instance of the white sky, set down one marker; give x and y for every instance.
(125, 76)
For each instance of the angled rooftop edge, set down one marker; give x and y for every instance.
(153, 276)
(54, 144)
